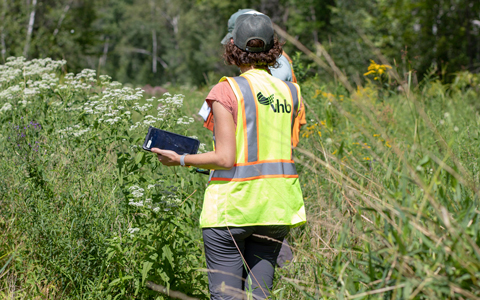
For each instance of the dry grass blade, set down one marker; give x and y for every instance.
(173, 294)
(379, 291)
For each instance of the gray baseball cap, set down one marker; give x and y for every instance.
(231, 23)
(253, 26)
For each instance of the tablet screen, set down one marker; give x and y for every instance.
(161, 139)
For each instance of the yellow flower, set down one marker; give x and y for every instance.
(366, 158)
(375, 135)
(376, 69)
(319, 133)
(388, 145)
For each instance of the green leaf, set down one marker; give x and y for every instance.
(147, 266)
(118, 280)
(138, 157)
(167, 253)
(424, 160)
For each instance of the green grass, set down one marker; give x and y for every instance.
(390, 180)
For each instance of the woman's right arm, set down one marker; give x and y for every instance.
(222, 158)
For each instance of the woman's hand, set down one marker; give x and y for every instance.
(167, 157)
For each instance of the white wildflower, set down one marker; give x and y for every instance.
(133, 230)
(7, 106)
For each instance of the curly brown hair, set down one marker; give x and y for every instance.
(236, 56)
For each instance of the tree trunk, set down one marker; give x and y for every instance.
(470, 41)
(2, 33)
(154, 40)
(30, 28)
(103, 59)
(315, 35)
(62, 17)
(154, 51)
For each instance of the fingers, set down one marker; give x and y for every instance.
(156, 150)
(166, 157)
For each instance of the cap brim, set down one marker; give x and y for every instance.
(227, 38)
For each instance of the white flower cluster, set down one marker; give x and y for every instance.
(49, 81)
(17, 67)
(167, 201)
(21, 79)
(166, 104)
(111, 106)
(175, 100)
(136, 191)
(6, 107)
(133, 230)
(84, 80)
(185, 120)
(11, 93)
(141, 108)
(75, 130)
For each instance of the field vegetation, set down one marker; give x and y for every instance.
(389, 171)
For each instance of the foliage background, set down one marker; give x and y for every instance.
(389, 159)
(162, 41)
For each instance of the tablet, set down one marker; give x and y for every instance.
(165, 140)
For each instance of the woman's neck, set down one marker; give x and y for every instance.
(244, 69)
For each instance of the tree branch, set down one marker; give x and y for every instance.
(146, 52)
(173, 294)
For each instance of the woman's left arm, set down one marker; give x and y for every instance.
(222, 158)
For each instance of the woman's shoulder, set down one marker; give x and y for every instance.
(220, 91)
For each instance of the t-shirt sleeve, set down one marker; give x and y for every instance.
(223, 93)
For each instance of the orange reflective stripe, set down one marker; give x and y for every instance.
(252, 178)
(264, 161)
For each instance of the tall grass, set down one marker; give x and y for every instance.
(391, 178)
(389, 171)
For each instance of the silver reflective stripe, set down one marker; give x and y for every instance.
(293, 91)
(251, 115)
(273, 168)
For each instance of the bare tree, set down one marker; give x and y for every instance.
(2, 29)
(30, 28)
(103, 58)
(154, 40)
(62, 17)
(154, 51)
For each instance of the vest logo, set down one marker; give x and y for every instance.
(276, 107)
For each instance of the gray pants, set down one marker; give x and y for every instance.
(229, 274)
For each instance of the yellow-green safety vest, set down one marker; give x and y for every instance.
(262, 188)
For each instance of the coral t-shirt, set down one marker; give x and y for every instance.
(223, 93)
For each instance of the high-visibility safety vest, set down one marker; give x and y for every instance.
(262, 188)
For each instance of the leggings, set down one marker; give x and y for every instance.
(229, 275)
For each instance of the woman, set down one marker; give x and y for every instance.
(253, 197)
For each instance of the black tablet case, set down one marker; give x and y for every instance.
(165, 140)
